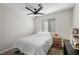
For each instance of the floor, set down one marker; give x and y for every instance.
(52, 51)
(55, 51)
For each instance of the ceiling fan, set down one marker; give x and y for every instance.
(35, 11)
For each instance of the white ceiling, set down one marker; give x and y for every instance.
(54, 7)
(48, 7)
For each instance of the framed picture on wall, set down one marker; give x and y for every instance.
(75, 31)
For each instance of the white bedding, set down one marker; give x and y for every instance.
(37, 44)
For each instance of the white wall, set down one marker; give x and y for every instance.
(63, 22)
(13, 25)
(76, 16)
(75, 19)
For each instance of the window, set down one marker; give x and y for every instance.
(48, 25)
(45, 25)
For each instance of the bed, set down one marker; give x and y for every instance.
(36, 44)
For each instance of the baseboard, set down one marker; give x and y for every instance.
(1, 52)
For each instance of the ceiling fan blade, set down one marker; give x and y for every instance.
(39, 8)
(30, 13)
(41, 13)
(29, 9)
(30, 6)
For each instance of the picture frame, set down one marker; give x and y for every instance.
(75, 31)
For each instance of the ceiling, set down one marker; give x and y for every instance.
(48, 7)
(54, 7)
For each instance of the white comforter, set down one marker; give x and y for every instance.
(37, 44)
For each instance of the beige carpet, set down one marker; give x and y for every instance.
(55, 51)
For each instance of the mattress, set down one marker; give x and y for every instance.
(37, 44)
